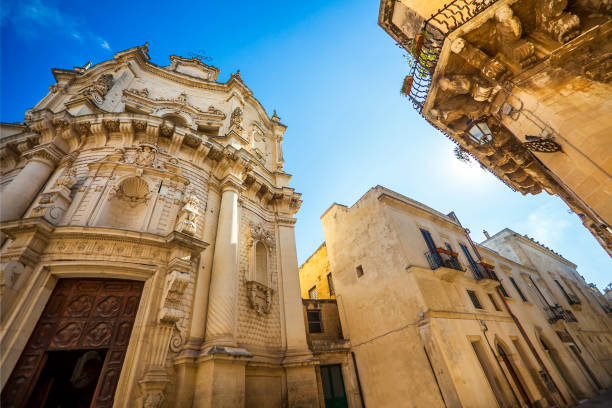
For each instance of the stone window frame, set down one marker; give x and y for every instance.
(314, 322)
(312, 291)
(475, 299)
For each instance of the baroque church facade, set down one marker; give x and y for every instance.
(148, 250)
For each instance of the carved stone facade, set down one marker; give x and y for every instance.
(523, 86)
(153, 177)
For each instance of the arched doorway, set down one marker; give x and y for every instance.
(562, 369)
(518, 381)
(75, 353)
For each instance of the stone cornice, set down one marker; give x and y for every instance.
(530, 242)
(74, 128)
(386, 194)
(26, 225)
(105, 234)
(47, 152)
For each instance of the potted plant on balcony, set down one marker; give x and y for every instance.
(421, 60)
(446, 251)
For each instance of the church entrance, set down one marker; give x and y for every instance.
(74, 356)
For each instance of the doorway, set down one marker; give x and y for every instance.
(562, 369)
(333, 386)
(514, 374)
(585, 366)
(68, 379)
(74, 355)
(498, 392)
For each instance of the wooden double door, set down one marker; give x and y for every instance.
(74, 355)
(333, 386)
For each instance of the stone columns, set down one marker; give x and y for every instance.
(21, 191)
(291, 297)
(222, 304)
(200, 302)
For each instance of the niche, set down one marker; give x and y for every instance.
(261, 263)
(126, 206)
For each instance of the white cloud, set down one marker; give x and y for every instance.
(545, 225)
(35, 18)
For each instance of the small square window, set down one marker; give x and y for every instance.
(359, 270)
(314, 321)
(494, 302)
(474, 299)
(312, 293)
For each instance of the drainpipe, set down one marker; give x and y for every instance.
(516, 321)
(529, 344)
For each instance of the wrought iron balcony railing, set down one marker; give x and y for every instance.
(483, 271)
(569, 316)
(435, 29)
(572, 299)
(557, 312)
(437, 259)
(554, 313)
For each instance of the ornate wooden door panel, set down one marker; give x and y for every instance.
(80, 314)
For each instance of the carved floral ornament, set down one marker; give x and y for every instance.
(257, 233)
(144, 96)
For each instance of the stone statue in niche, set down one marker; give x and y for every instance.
(188, 215)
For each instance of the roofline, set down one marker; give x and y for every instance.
(140, 54)
(531, 242)
(311, 255)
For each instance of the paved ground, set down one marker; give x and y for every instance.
(601, 401)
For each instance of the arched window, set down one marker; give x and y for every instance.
(261, 263)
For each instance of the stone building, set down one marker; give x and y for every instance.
(148, 251)
(434, 320)
(523, 86)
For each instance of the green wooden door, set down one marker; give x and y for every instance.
(333, 387)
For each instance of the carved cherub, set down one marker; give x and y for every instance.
(145, 156)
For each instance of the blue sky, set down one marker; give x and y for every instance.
(334, 77)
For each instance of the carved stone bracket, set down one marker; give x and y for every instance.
(260, 297)
(171, 313)
(552, 18)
